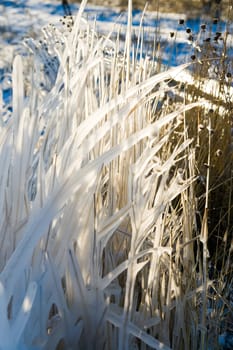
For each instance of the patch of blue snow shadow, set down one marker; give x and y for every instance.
(9, 3)
(6, 87)
(103, 15)
(57, 8)
(225, 340)
(7, 95)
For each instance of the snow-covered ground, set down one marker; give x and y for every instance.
(22, 18)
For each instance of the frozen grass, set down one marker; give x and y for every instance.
(107, 197)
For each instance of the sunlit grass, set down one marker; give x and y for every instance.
(116, 180)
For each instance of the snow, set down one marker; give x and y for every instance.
(22, 19)
(25, 19)
(19, 19)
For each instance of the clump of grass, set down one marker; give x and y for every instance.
(102, 245)
(211, 128)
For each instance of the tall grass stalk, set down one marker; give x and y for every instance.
(97, 201)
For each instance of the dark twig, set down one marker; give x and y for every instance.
(66, 8)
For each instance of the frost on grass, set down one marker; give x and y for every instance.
(95, 201)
